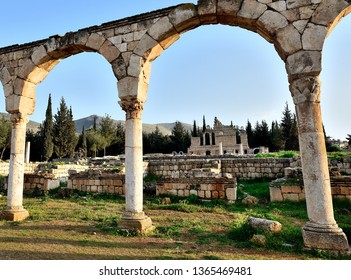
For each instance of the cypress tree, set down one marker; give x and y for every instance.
(60, 136)
(84, 143)
(71, 134)
(194, 132)
(203, 124)
(250, 136)
(47, 130)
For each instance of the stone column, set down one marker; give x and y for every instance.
(134, 219)
(321, 231)
(14, 210)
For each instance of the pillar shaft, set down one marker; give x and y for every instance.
(321, 231)
(134, 218)
(14, 210)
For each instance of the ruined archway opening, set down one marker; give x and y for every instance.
(217, 71)
(88, 86)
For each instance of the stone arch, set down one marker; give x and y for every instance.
(20, 87)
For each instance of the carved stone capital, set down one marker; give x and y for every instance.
(133, 108)
(306, 89)
(18, 119)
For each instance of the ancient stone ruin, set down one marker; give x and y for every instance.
(297, 30)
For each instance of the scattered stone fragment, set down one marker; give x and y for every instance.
(166, 200)
(269, 225)
(259, 239)
(250, 200)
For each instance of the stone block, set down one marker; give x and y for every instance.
(291, 196)
(291, 189)
(184, 17)
(289, 40)
(272, 21)
(231, 194)
(313, 37)
(345, 190)
(304, 62)
(251, 9)
(207, 10)
(161, 28)
(95, 41)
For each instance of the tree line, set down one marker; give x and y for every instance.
(57, 137)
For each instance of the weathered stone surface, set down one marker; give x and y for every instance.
(161, 29)
(109, 51)
(328, 11)
(313, 37)
(251, 9)
(250, 200)
(184, 17)
(228, 7)
(259, 240)
(95, 41)
(272, 21)
(269, 225)
(304, 62)
(289, 40)
(300, 3)
(300, 25)
(278, 6)
(275, 194)
(207, 10)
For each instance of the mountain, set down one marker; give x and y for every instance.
(165, 128)
(31, 125)
(88, 122)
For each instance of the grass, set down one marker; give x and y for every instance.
(84, 226)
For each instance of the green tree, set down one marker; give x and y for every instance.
(289, 129)
(250, 134)
(5, 135)
(276, 140)
(47, 132)
(194, 132)
(203, 124)
(180, 138)
(107, 130)
(84, 143)
(71, 134)
(64, 131)
(261, 134)
(96, 142)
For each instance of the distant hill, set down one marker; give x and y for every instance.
(31, 125)
(165, 128)
(88, 122)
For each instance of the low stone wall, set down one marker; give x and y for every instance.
(340, 189)
(40, 182)
(205, 188)
(239, 167)
(97, 182)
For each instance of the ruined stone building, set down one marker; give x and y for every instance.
(219, 140)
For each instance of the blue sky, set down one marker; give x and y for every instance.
(214, 70)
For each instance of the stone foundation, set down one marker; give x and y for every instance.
(281, 190)
(97, 182)
(205, 188)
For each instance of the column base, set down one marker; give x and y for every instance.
(14, 214)
(325, 237)
(136, 222)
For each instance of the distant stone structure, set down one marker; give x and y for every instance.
(219, 140)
